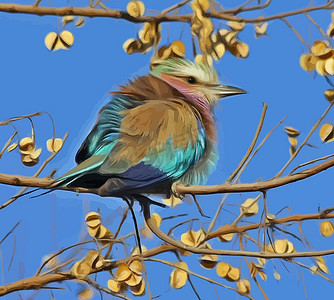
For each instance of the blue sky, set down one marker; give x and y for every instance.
(72, 86)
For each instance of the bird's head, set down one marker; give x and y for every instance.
(198, 82)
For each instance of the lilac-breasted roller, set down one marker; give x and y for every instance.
(157, 130)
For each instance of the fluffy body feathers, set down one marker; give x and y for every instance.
(156, 130)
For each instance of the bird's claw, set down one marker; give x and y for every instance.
(174, 191)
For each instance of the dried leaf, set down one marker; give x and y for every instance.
(292, 132)
(139, 289)
(308, 62)
(277, 276)
(93, 219)
(178, 278)
(244, 287)
(123, 272)
(326, 228)
(135, 8)
(114, 285)
(329, 95)
(54, 145)
(281, 246)
(222, 269)
(249, 208)
(235, 25)
(320, 67)
(12, 147)
(318, 46)
(293, 141)
(326, 133)
(261, 30)
(226, 237)
(233, 274)
(51, 40)
(67, 19)
(321, 264)
(80, 22)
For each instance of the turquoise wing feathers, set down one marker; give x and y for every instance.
(139, 144)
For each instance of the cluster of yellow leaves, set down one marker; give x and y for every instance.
(326, 228)
(27, 148)
(193, 238)
(178, 278)
(93, 261)
(283, 246)
(228, 272)
(146, 232)
(148, 36)
(292, 136)
(95, 227)
(321, 58)
(175, 49)
(128, 275)
(326, 133)
(79, 22)
(321, 265)
(29, 154)
(213, 45)
(55, 41)
(257, 269)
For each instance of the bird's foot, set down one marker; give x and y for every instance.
(174, 191)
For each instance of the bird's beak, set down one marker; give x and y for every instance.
(226, 90)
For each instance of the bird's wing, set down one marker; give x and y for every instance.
(156, 141)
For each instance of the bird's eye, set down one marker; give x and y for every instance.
(191, 80)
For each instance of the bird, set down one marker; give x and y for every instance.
(157, 130)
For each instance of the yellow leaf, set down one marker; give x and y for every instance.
(136, 267)
(307, 62)
(318, 46)
(261, 29)
(178, 48)
(321, 264)
(326, 228)
(27, 145)
(293, 141)
(277, 276)
(329, 95)
(249, 208)
(80, 22)
(67, 38)
(54, 145)
(12, 147)
(135, 8)
(233, 274)
(235, 25)
(114, 285)
(222, 269)
(93, 219)
(281, 246)
(320, 67)
(51, 40)
(67, 19)
(138, 289)
(178, 278)
(326, 133)
(291, 131)
(244, 286)
(123, 272)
